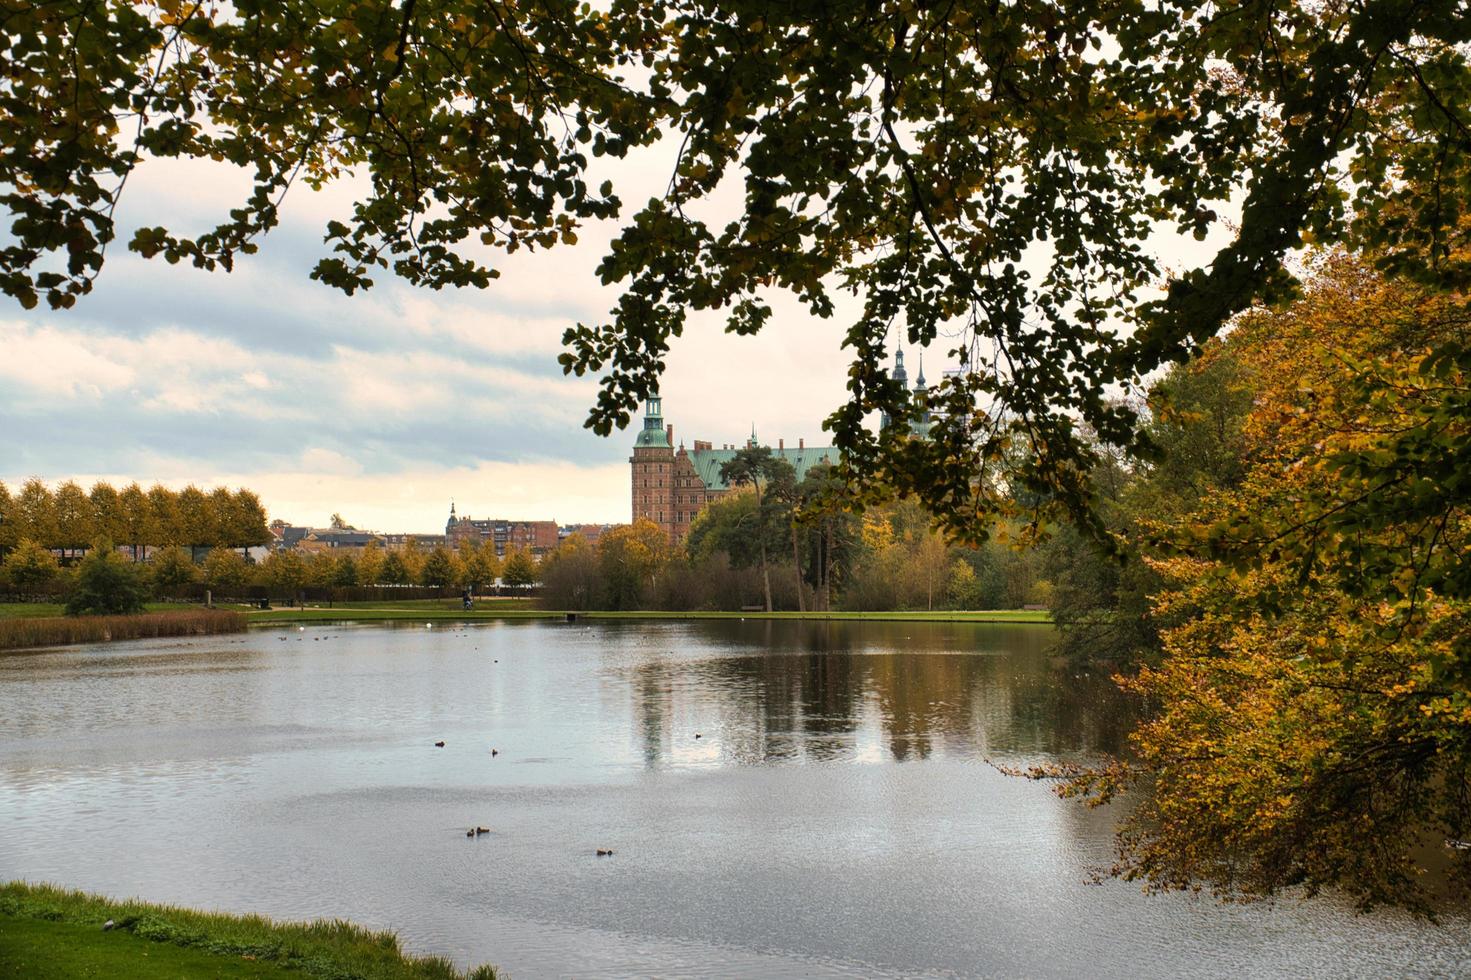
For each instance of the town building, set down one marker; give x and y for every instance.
(423, 542)
(538, 537)
(589, 532)
(333, 538)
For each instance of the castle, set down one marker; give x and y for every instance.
(672, 485)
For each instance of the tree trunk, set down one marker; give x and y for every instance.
(827, 567)
(765, 575)
(797, 564)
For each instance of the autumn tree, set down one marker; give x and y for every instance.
(76, 524)
(321, 569)
(370, 564)
(757, 468)
(30, 567)
(107, 513)
(284, 571)
(519, 568)
(394, 571)
(570, 575)
(631, 558)
(169, 568)
(224, 568)
(1314, 697)
(136, 521)
(345, 575)
(439, 569)
(479, 564)
(35, 514)
(9, 529)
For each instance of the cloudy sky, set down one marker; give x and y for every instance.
(383, 406)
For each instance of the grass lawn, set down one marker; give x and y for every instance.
(441, 610)
(25, 610)
(47, 932)
(42, 950)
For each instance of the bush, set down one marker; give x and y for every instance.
(106, 584)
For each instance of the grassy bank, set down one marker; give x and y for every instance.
(433, 611)
(19, 632)
(33, 610)
(47, 932)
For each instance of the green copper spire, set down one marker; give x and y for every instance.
(653, 434)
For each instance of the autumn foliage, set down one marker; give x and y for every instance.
(1313, 722)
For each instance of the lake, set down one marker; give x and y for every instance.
(783, 799)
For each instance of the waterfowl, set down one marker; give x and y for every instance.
(439, 745)
(470, 832)
(481, 830)
(697, 734)
(494, 753)
(604, 854)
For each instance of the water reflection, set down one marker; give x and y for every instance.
(830, 819)
(826, 692)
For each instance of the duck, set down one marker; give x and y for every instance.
(481, 830)
(494, 753)
(470, 832)
(439, 745)
(697, 735)
(604, 853)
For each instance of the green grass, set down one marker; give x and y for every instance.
(49, 932)
(441, 610)
(41, 950)
(31, 610)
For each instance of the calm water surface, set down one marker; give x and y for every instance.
(833, 818)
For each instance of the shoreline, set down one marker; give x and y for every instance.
(325, 615)
(20, 633)
(50, 932)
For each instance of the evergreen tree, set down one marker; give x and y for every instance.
(106, 584)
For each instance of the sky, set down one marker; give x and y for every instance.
(384, 406)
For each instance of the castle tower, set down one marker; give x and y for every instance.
(900, 375)
(921, 425)
(652, 464)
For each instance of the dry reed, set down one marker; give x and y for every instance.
(58, 630)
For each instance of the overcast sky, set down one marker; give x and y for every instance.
(383, 406)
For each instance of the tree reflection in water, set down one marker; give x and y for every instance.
(786, 691)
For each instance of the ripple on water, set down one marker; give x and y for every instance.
(833, 820)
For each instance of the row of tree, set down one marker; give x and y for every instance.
(68, 518)
(31, 569)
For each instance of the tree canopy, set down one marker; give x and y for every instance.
(996, 176)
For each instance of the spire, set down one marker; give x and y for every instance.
(900, 375)
(919, 382)
(653, 434)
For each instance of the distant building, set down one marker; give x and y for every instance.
(538, 537)
(286, 536)
(671, 486)
(920, 394)
(589, 532)
(332, 538)
(425, 542)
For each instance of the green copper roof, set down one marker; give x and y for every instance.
(651, 436)
(707, 462)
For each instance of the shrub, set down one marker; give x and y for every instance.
(106, 584)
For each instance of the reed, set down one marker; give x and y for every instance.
(59, 630)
